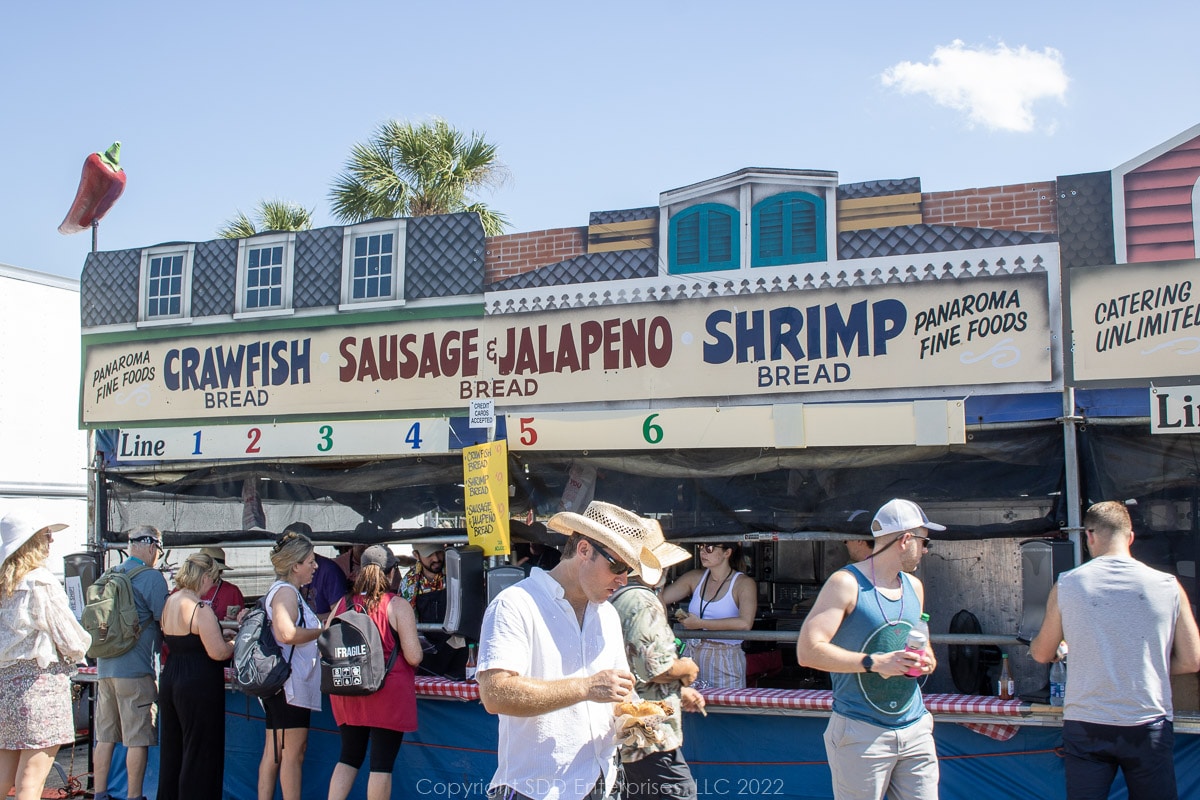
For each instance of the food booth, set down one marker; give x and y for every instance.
(763, 388)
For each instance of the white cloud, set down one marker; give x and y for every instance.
(996, 87)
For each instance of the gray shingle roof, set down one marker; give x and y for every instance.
(1085, 223)
(624, 215)
(587, 268)
(880, 188)
(910, 239)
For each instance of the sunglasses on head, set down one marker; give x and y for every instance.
(614, 566)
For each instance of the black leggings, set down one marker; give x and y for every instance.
(385, 746)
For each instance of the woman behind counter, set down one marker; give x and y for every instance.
(40, 645)
(722, 599)
(296, 629)
(191, 693)
(382, 718)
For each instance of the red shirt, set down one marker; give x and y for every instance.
(394, 706)
(223, 597)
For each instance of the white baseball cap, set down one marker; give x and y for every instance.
(901, 515)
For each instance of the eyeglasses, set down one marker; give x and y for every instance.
(614, 566)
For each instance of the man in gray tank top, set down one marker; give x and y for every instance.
(1129, 628)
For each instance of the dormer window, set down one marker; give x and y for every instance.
(704, 238)
(788, 228)
(166, 274)
(265, 273)
(373, 264)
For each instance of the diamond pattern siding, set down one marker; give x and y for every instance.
(444, 256)
(883, 188)
(588, 268)
(108, 288)
(317, 275)
(214, 278)
(911, 239)
(1085, 223)
(625, 215)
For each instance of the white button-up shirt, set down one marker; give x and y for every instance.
(532, 630)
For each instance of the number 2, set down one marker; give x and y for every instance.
(254, 435)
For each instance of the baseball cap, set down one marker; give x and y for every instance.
(378, 555)
(901, 515)
(426, 550)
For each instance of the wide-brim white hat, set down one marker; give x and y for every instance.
(17, 529)
(624, 533)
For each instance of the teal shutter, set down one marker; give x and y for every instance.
(704, 238)
(788, 229)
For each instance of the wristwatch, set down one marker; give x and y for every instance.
(868, 663)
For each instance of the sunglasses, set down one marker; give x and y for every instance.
(711, 548)
(925, 541)
(614, 566)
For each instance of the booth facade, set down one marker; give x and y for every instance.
(764, 357)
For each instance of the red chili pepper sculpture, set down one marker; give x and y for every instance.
(100, 185)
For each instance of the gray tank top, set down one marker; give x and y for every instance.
(1118, 620)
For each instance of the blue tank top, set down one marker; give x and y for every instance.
(865, 696)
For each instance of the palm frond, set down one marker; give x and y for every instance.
(238, 227)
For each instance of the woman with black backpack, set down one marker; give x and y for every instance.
(381, 718)
(296, 629)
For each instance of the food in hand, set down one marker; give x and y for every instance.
(681, 615)
(643, 709)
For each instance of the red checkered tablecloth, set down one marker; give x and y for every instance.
(822, 700)
(440, 687)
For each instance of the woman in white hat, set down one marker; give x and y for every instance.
(40, 646)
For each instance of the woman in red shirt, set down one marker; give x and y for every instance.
(382, 718)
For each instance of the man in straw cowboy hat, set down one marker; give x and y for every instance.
(552, 660)
(657, 769)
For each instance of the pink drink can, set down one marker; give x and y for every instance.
(915, 644)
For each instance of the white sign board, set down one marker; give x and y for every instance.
(483, 414)
(1175, 409)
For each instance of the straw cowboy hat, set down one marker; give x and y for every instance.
(16, 530)
(217, 554)
(668, 554)
(623, 533)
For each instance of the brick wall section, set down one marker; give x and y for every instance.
(517, 253)
(1018, 206)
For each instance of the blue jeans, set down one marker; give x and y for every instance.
(1144, 753)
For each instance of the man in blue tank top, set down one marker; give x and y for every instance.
(1129, 628)
(880, 737)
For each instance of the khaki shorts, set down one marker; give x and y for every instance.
(126, 711)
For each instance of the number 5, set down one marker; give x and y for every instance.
(528, 434)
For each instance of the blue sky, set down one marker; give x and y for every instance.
(594, 106)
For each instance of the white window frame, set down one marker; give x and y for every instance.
(188, 251)
(288, 242)
(398, 228)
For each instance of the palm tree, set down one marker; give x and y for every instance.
(271, 215)
(415, 169)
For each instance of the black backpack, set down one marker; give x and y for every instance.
(351, 648)
(259, 668)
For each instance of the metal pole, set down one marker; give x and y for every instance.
(1070, 423)
(95, 237)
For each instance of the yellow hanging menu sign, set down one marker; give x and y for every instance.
(485, 484)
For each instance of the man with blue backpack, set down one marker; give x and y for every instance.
(126, 692)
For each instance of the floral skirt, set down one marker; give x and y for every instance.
(35, 706)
